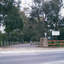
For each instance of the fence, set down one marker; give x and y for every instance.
(53, 42)
(6, 43)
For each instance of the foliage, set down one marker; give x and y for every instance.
(0, 36)
(62, 33)
(17, 36)
(12, 19)
(22, 28)
(51, 9)
(10, 16)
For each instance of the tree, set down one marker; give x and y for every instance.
(30, 28)
(0, 11)
(11, 18)
(51, 9)
(38, 15)
(53, 13)
(0, 37)
(17, 35)
(61, 28)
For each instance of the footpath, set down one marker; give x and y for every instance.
(27, 48)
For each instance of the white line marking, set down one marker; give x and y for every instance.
(34, 54)
(61, 52)
(55, 62)
(0, 55)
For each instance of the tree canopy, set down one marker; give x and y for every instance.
(10, 15)
(44, 16)
(51, 9)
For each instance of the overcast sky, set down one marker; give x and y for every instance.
(26, 3)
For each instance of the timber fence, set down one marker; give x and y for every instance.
(55, 42)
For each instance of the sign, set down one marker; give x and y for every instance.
(55, 33)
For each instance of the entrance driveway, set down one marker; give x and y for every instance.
(22, 46)
(27, 48)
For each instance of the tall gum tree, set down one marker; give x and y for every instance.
(51, 9)
(11, 18)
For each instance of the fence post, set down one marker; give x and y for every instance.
(17, 42)
(4, 43)
(12, 43)
(7, 43)
(54, 42)
(61, 42)
(1, 43)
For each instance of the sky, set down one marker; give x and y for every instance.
(27, 3)
(2, 29)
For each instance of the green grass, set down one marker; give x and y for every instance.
(36, 43)
(56, 44)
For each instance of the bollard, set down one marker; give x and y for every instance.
(4, 43)
(12, 43)
(18, 42)
(1, 43)
(7, 43)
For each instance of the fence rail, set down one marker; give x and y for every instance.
(53, 42)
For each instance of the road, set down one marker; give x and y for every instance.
(34, 56)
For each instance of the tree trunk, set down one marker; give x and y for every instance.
(9, 37)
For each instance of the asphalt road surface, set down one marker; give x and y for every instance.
(51, 57)
(33, 58)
